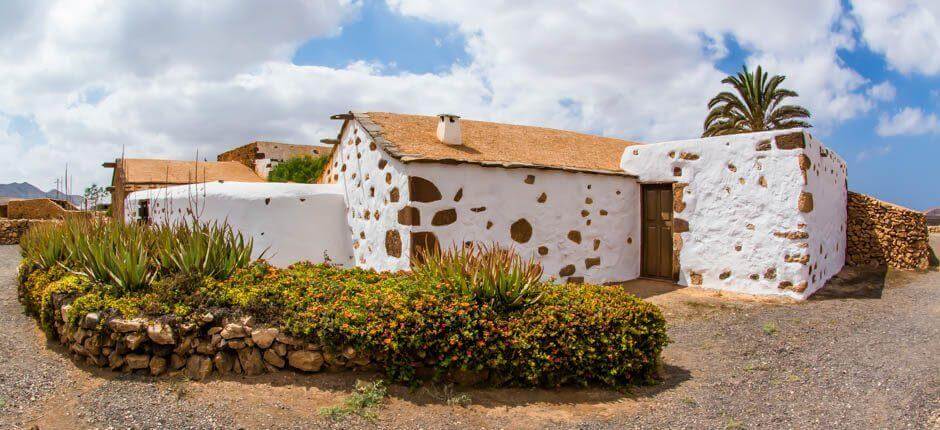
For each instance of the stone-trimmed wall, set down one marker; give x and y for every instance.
(12, 229)
(758, 213)
(376, 192)
(883, 234)
(211, 345)
(579, 226)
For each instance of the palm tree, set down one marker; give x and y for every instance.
(755, 107)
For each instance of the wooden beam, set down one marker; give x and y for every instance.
(342, 116)
(109, 164)
(330, 141)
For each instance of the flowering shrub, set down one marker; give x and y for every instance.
(575, 334)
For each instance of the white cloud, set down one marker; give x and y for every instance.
(909, 121)
(907, 32)
(866, 154)
(169, 80)
(883, 92)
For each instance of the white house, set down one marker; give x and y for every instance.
(761, 213)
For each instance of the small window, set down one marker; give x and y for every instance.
(143, 212)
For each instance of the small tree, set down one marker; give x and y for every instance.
(304, 169)
(93, 195)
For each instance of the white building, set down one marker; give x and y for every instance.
(761, 213)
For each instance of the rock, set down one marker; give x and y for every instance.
(177, 362)
(251, 362)
(264, 337)
(207, 318)
(125, 326)
(137, 361)
(271, 357)
(91, 321)
(198, 367)
(157, 366)
(224, 362)
(205, 347)
(236, 344)
(133, 340)
(115, 360)
(214, 331)
(186, 344)
(308, 361)
(349, 353)
(289, 340)
(160, 334)
(64, 312)
(280, 349)
(233, 331)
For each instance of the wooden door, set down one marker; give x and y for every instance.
(656, 240)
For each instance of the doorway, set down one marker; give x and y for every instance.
(656, 237)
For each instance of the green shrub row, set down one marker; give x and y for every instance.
(479, 309)
(304, 169)
(574, 334)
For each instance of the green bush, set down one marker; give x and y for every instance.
(575, 334)
(304, 169)
(496, 276)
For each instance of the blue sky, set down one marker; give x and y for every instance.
(900, 169)
(84, 82)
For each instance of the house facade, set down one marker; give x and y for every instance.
(759, 213)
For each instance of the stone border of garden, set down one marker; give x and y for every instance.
(212, 344)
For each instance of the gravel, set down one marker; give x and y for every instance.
(863, 355)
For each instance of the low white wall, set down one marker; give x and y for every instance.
(582, 226)
(295, 222)
(741, 201)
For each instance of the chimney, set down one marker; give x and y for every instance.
(448, 129)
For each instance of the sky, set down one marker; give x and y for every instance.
(84, 81)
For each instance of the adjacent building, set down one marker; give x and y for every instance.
(263, 156)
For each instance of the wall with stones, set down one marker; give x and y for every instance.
(210, 345)
(759, 213)
(883, 234)
(289, 222)
(11, 230)
(376, 191)
(581, 227)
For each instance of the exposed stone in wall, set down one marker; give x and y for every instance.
(520, 231)
(883, 234)
(444, 217)
(790, 141)
(393, 243)
(805, 203)
(422, 190)
(423, 241)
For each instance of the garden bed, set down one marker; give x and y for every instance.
(315, 318)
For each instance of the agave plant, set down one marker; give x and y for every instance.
(199, 249)
(757, 106)
(112, 253)
(493, 275)
(44, 245)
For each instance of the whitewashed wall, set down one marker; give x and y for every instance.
(295, 222)
(746, 230)
(583, 226)
(375, 190)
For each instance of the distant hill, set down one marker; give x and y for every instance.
(25, 190)
(933, 216)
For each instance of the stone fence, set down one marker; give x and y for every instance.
(12, 229)
(883, 234)
(212, 344)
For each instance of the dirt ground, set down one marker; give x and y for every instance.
(861, 354)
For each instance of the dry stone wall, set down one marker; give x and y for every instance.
(11, 230)
(211, 345)
(883, 234)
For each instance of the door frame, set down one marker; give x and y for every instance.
(674, 277)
